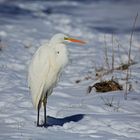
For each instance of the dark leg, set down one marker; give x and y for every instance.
(38, 109)
(44, 104)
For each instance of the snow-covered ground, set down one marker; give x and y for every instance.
(72, 113)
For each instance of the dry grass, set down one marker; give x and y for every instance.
(106, 86)
(109, 67)
(129, 58)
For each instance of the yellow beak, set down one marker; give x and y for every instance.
(75, 40)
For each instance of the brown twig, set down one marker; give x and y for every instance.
(129, 57)
(106, 54)
(112, 54)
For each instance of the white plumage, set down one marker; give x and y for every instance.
(45, 69)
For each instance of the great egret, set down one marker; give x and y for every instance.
(45, 69)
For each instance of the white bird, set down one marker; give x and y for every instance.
(45, 69)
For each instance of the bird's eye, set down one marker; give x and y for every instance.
(57, 52)
(65, 38)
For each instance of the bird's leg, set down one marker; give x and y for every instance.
(38, 109)
(44, 104)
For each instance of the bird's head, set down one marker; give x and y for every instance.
(61, 38)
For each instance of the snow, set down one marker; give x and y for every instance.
(72, 113)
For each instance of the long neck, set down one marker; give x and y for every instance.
(61, 54)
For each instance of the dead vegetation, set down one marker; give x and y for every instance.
(110, 66)
(129, 59)
(125, 66)
(106, 86)
(111, 103)
(100, 72)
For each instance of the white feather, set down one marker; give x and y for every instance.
(45, 69)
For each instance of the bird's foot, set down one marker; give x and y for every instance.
(39, 125)
(45, 124)
(42, 125)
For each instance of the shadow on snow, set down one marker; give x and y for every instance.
(52, 121)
